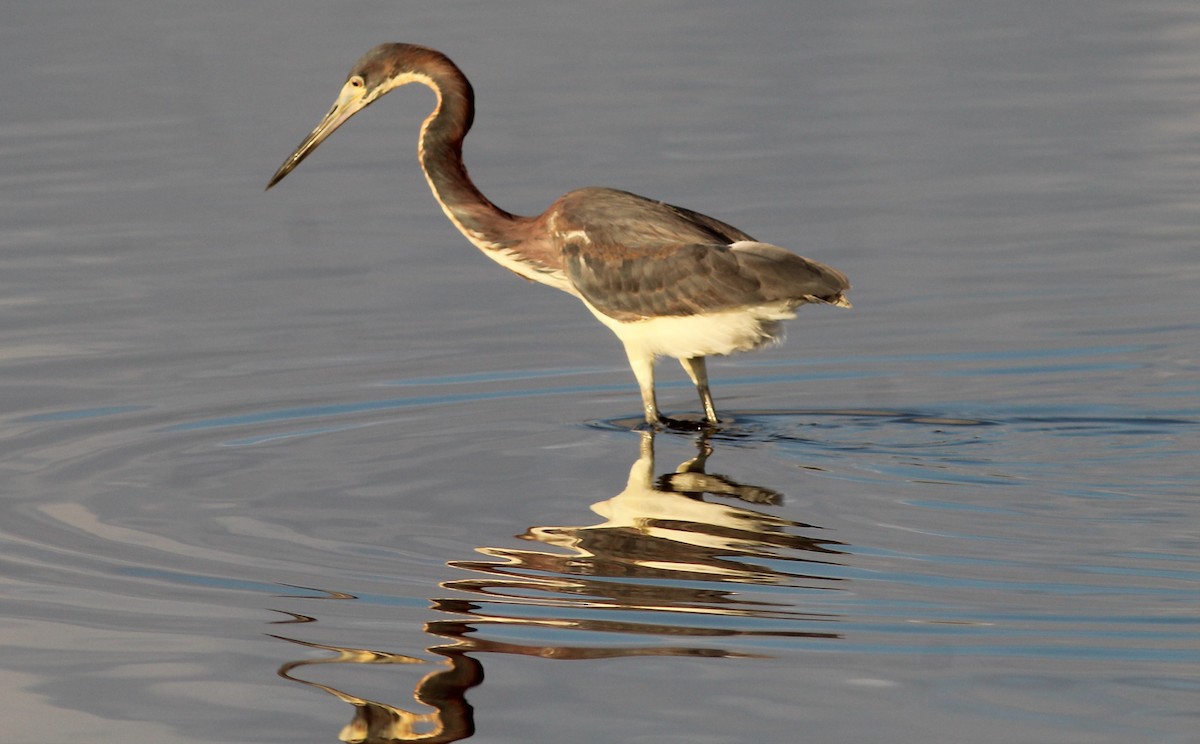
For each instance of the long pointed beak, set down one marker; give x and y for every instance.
(349, 102)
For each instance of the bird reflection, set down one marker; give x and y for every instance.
(663, 556)
(443, 690)
(678, 547)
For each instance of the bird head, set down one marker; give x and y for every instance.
(380, 70)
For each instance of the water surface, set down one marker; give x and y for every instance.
(302, 465)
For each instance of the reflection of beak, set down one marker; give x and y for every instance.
(349, 102)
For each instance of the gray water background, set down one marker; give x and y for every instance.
(243, 430)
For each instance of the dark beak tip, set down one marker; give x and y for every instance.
(275, 179)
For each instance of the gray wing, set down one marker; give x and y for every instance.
(617, 217)
(635, 283)
(633, 258)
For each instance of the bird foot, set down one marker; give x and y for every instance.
(671, 424)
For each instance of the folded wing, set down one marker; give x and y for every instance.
(630, 284)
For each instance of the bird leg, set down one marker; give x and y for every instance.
(643, 369)
(642, 365)
(698, 371)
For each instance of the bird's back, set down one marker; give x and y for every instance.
(619, 218)
(634, 258)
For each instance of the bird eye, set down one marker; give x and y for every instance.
(357, 81)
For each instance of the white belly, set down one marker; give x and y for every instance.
(689, 336)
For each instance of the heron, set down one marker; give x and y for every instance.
(668, 281)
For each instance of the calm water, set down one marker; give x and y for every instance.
(297, 466)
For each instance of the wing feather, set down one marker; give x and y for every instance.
(633, 258)
(679, 280)
(622, 218)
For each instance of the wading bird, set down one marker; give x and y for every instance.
(666, 280)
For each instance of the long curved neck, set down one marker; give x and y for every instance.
(440, 151)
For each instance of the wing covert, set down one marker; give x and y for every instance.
(676, 280)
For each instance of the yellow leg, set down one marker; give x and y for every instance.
(698, 371)
(643, 369)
